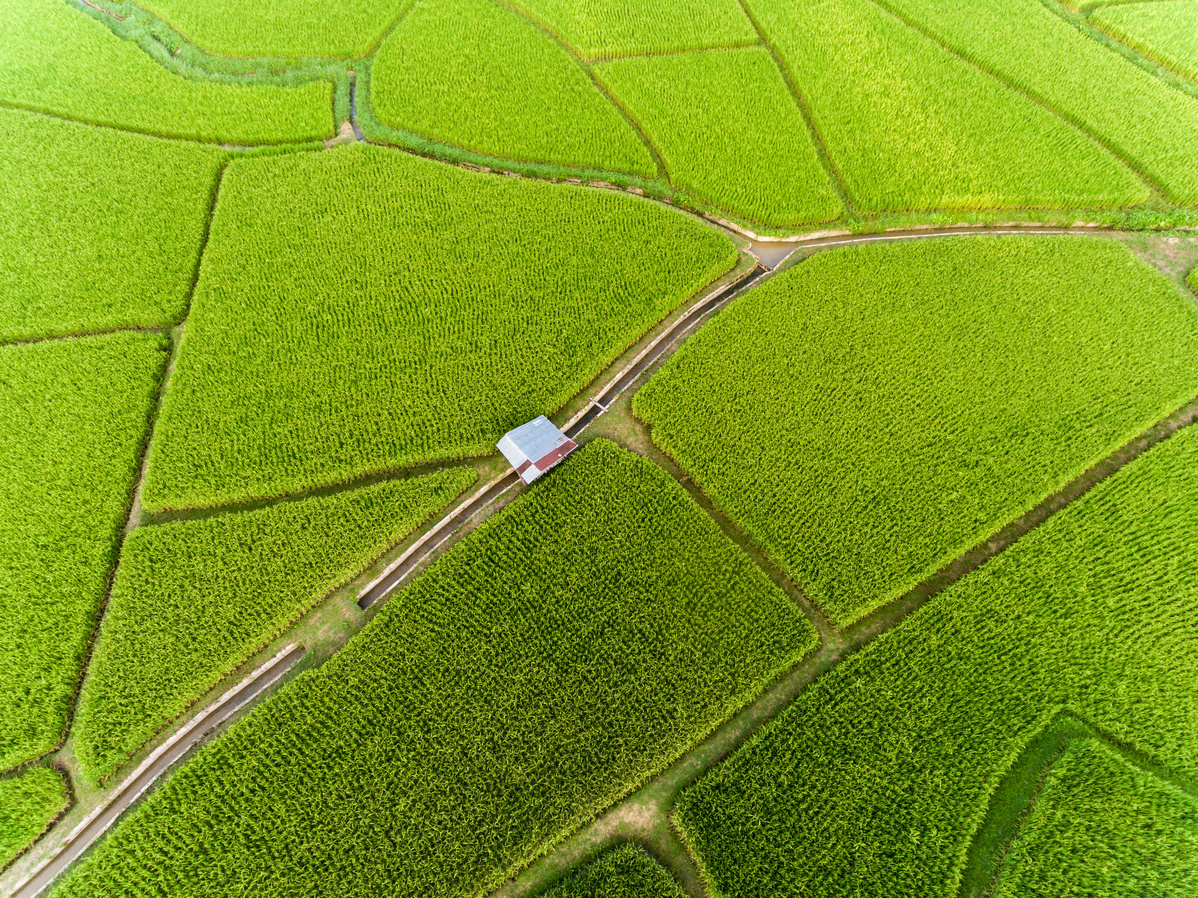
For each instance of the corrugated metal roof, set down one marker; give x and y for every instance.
(535, 447)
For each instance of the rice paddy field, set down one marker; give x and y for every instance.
(873, 571)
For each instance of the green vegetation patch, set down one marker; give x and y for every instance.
(99, 229)
(623, 872)
(910, 126)
(192, 601)
(1150, 123)
(574, 644)
(874, 781)
(340, 29)
(75, 417)
(56, 58)
(477, 75)
(729, 131)
(1164, 32)
(1104, 827)
(29, 803)
(363, 309)
(624, 27)
(874, 412)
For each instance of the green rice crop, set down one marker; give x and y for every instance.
(1165, 32)
(192, 601)
(363, 309)
(909, 126)
(340, 29)
(29, 803)
(479, 76)
(99, 229)
(1151, 124)
(625, 27)
(753, 159)
(74, 415)
(55, 58)
(575, 643)
(1101, 826)
(622, 872)
(874, 781)
(872, 413)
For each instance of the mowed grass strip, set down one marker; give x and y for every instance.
(876, 411)
(1164, 32)
(625, 27)
(875, 779)
(75, 414)
(622, 872)
(29, 802)
(363, 309)
(192, 601)
(99, 229)
(911, 127)
(729, 132)
(1104, 827)
(479, 76)
(574, 644)
(338, 29)
(1151, 124)
(56, 58)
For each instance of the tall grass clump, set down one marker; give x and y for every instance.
(1146, 121)
(578, 641)
(363, 309)
(755, 160)
(622, 872)
(876, 411)
(55, 58)
(874, 781)
(481, 77)
(29, 802)
(912, 127)
(193, 600)
(98, 229)
(74, 415)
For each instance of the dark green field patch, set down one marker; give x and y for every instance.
(362, 310)
(876, 779)
(571, 646)
(623, 872)
(75, 415)
(874, 412)
(192, 601)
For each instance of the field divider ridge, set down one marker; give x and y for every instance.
(158, 762)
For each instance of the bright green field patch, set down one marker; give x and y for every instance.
(99, 229)
(1101, 826)
(911, 127)
(874, 781)
(479, 76)
(876, 411)
(623, 872)
(604, 28)
(729, 131)
(29, 802)
(363, 309)
(328, 28)
(74, 415)
(57, 59)
(550, 662)
(1150, 123)
(1165, 32)
(193, 601)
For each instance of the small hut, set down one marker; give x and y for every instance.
(535, 447)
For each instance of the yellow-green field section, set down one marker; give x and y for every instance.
(1164, 32)
(29, 802)
(574, 644)
(876, 411)
(362, 310)
(875, 780)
